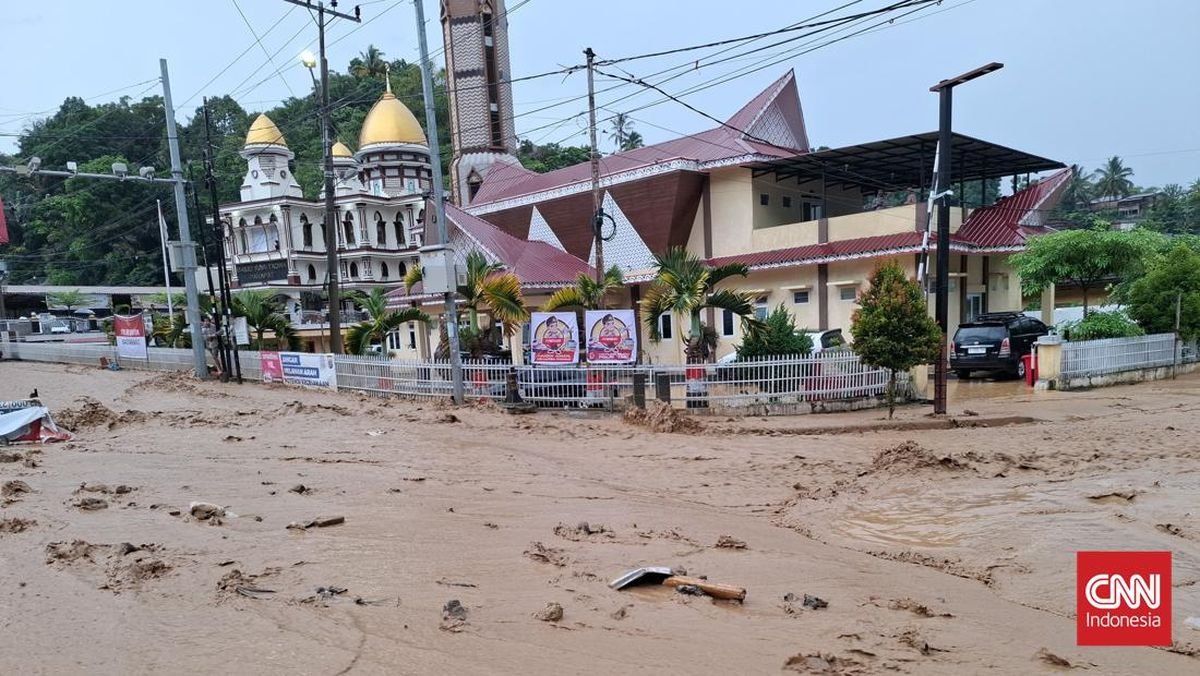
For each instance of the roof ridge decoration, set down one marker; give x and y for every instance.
(775, 115)
(540, 231)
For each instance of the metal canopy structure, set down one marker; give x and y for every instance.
(904, 162)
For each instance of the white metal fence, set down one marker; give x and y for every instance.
(1115, 355)
(761, 386)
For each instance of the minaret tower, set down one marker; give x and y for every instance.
(477, 75)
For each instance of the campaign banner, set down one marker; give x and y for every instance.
(309, 370)
(270, 367)
(611, 336)
(554, 338)
(131, 336)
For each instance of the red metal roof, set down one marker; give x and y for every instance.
(1011, 220)
(824, 253)
(780, 102)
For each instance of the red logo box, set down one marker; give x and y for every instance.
(1123, 598)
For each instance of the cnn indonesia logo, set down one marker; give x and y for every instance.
(1123, 598)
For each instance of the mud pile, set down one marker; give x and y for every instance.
(660, 417)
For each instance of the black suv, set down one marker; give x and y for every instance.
(995, 342)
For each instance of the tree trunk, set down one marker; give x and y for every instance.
(891, 393)
(1085, 302)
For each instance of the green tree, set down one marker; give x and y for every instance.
(619, 131)
(381, 322)
(369, 64)
(1090, 259)
(1113, 179)
(633, 141)
(683, 286)
(892, 327)
(69, 299)
(1171, 213)
(1171, 279)
(1099, 325)
(777, 337)
(1074, 209)
(549, 157)
(263, 313)
(587, 293)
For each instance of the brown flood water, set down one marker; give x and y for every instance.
(939, 551)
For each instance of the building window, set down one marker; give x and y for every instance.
(726, 323)
(848, 292)
(412, 335)
(308, 231)
(401, 270)
(760, 309)
(354, 271)
(799, 297)
(383, 270)
(664, 326)
(348, 229)
(380, 231)
(764, 199)
(312, 274)
(787, 201)
(398, 226)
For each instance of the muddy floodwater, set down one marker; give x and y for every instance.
(204, 528)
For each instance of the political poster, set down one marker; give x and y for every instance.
(554, 338)
(131, 336)
(309, 370)
(611, 336)
(270, 367)
(241, 331)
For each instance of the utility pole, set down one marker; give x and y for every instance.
(945, 90)
(185, 236)
(331, 256)
(200, 224)
(439, 203)
(226, 345)
(597, 208)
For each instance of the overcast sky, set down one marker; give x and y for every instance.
(1083, 79)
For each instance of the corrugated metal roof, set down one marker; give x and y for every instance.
(1011, 220)
(713, 145)
(830, 251)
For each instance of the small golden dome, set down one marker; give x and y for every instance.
(390, 122)
(264, 133)
(340, 150)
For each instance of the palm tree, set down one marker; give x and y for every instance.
(382, 321)
(70, 299)
(414, 275)
(633, 141)
(1080, 190)
(488, 288)
(1112, 180)
(685, 285)
(622, 127)
(369, 64)
(587, 294)
(263, 313)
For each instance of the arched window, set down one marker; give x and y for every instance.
(258, 220)
(380, 231)
(421, 217)
(383, 270)
(308, 231)
(354, 271)
(274, 219)
(348, 229)
(401, 240)
(244, 241)
(312, 273)
(402, 270)
(474, 181)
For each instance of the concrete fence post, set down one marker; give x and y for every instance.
(1049, 362)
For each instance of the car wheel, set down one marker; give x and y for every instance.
(963, 374)
(1020, 372)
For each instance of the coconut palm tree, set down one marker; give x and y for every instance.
(633, 141)
(381, 322)
(685, 285)
(587, 294)
(1112, 180)
(263, 313)
(369, 64)
(620, 130)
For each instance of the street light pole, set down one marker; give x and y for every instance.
(945, 90)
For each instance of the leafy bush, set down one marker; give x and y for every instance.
(1099, 325)
(777, 337)
(1173, 278)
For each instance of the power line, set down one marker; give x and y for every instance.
(258, 41)
(236, 59)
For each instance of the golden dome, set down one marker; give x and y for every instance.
(390, 122)
(340, 150)
(264, 132)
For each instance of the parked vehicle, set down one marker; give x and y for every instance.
(995, 342)
(822, 341)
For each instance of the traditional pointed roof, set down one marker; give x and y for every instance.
(774, 115)
(263, 132)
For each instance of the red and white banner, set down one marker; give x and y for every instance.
(131, 336)
(554, 338)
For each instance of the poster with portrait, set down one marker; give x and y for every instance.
(611, 337)
(554, 338)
